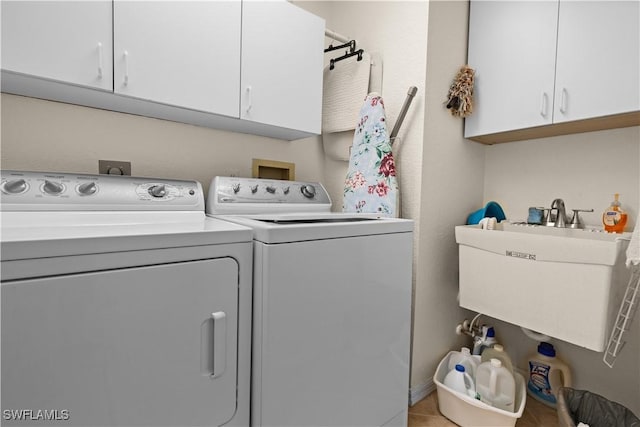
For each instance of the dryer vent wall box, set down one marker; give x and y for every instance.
(273, 169)
(137, 307)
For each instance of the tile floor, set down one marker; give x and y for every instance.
(426, 414)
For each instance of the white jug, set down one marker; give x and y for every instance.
(464, 358)
(496, 385)
(497, 352)
(459, 380)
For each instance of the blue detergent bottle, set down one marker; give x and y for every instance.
(547, 374)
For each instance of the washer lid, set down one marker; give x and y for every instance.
(28, 235)
(296, 227)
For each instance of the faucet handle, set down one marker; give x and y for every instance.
(576, 221)
(548, 217)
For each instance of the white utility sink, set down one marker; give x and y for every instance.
(565, 283)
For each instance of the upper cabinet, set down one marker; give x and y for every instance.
(550, 68)
(246, 66)
(282, 61)
(598, 67)
(185, 54)
(68, 41)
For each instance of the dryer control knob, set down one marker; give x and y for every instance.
(15, 186)
(87, 189)
(52, 187)
(157, 190)
(308, 191)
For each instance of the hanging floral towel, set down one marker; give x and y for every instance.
(371, 185)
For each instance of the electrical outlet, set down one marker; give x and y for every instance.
(114, 167)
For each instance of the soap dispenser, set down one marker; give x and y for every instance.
(614, 218)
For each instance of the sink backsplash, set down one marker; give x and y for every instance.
(585, 170)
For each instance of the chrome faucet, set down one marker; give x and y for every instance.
(561, 215)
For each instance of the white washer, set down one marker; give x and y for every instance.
(122, 304)
(331, 306)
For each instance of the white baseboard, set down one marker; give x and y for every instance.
(421, 391)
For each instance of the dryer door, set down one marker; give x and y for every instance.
(148, 346)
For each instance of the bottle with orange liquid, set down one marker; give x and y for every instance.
(614, 218)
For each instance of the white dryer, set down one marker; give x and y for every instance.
(122, 304)
(331, 306)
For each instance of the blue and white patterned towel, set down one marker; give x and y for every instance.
(371, 185)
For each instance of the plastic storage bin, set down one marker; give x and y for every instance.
(576, 406)
(469, 412)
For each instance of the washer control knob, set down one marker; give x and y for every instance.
(157, 190)
(15, 186)
(254, 189)
(52, 187)
(87, 189)
(236, 187)
(308, 191)
(285, 190)
(271, 189)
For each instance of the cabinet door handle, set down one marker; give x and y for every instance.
(544, 104)
(563, 101)
(249, 100)
(100, 60)
(126, 68)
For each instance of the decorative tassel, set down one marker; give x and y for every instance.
(460, 100)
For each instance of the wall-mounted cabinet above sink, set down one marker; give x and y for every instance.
(565, 283)
(542, 70)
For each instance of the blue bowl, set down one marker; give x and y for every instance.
(492, 209)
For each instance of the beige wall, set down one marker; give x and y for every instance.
(452, 174)
(395, 30)
(583, 169)
(52, 136)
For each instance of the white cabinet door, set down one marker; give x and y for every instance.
(512, 49)
(598, 68)
(180, 53)
(282, 60)
(66, 41)
(136, 346)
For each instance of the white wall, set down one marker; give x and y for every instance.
(52, 136)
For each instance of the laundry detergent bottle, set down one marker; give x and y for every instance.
(547, 374)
